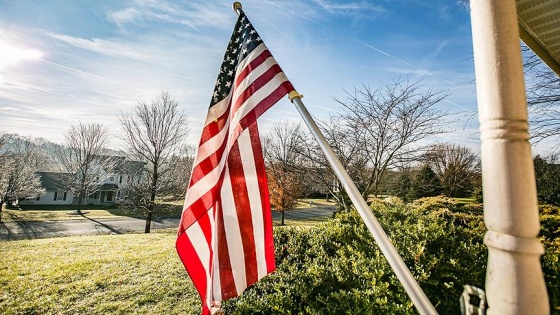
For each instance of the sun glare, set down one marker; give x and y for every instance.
(11, 55)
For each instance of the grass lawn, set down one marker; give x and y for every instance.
(304, 203)
(103, 274)
(307, 222)
(108, 274)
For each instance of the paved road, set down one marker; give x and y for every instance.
(89, 226)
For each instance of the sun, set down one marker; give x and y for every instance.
(11, 55)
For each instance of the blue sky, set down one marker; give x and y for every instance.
(64, 61)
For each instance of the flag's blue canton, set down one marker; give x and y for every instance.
(243, 40)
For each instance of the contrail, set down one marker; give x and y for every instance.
(457, 105)
(388, 55)
(87, 73)
(302, 16)
(425, 72)
(415, 67)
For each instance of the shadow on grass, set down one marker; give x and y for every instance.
(19, 229)
(163, 211)
(108, 227)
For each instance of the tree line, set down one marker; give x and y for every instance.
(381, 137)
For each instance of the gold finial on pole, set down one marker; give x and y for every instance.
(237, 6)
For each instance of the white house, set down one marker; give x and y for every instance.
(55, 191)
(109, 191)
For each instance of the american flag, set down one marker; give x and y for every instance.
(225, 234)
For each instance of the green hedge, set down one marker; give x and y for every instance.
(336, 268)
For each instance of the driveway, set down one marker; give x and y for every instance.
(89, 226)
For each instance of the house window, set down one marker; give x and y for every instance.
(111, 178)
(120, 179)
(95, 195)
(110, 196)
(39, 197)
(59, 195)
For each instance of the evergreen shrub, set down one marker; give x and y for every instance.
(336, 267)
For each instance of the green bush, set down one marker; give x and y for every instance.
(477, 194)
(550, 236)
(336, 267)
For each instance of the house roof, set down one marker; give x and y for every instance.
(130, 167)
(108, 186)
(539, 28)
(52, 180)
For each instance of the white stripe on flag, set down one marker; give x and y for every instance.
(251, 103)
(233, 235)
(255, 201)
(196, 236)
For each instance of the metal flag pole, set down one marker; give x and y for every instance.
(421, 302)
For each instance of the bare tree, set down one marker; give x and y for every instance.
(173, 180)
(176, 177)
(3, 158)
(18, 169)
(542, 87)
(3, 139)
(81, 159)
(384, 127)
(543, 98)
(456, 167)
(285, 170)
(345, 144)
(155, 132)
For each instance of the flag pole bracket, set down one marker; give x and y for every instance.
(293, 94)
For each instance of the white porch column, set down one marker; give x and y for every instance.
(514, 278)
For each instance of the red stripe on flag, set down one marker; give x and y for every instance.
(257, 61)
(227, 282)
(265, 201)
(196, 210)
(213, 128)
(244, 215)
(207, 165)
(266, 103)
(255, 86)
(192, 263)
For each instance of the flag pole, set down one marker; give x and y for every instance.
(421, 302)
(418, 297)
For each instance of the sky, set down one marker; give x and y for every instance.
(66, 61)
